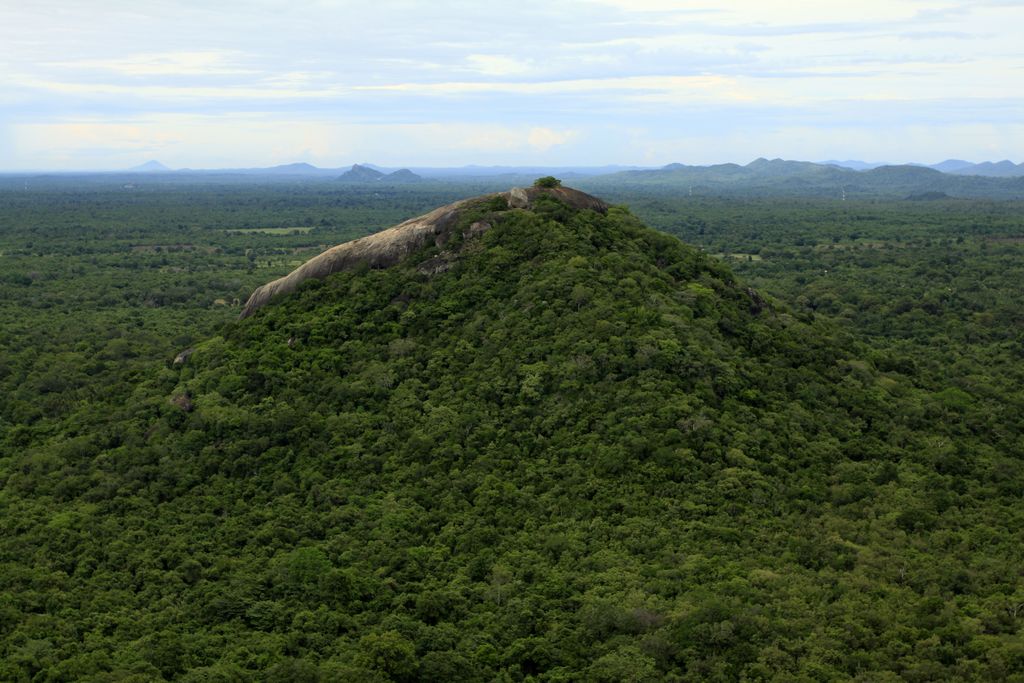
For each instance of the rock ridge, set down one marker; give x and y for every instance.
(388, 247)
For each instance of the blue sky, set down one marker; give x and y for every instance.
(108, 84)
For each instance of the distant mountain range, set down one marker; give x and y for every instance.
(365, 172)
(762, 177)
(471, 171)
(999, 169)
(778, 177)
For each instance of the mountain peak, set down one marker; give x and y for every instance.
(952, 165)
(297, 167)
(403, 175)
(360, 174)
(151, 166)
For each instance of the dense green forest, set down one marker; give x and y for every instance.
(788, 447)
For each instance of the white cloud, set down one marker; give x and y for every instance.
(200, 63)
(891, 143)
(477, 138)
(694, 85)
(543, 139)
(760, 12)
(263, 139)
(496, 138)
(336, 81)
(497, 65)
(273, 90)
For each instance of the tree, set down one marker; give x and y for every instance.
(547, 181)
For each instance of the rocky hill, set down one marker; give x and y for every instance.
(403, 176)
(365, 174)
(522, 438)
(388, 247)
(361, 174)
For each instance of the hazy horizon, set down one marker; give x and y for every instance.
(461, 168)
(111, 85)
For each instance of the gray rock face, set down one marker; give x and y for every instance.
(388, 247)
(518, 199)
(183, 357)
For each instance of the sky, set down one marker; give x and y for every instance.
(108, 84)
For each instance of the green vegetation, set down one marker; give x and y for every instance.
(585, 452)
(547, 181)
(295, 230)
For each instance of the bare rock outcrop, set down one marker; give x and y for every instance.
(183, 357)
(388, 247)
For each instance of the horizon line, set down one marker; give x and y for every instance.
(137, 169)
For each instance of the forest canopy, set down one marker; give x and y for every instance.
(585, 450)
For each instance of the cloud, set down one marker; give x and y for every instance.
(68, 145)
(694, 85)
(199, 63)
(534, 79)
(937, 35)
(491, 138)
(263, 139)
(497, 65)
(543, 139)
(892, 143)
(270, 90)
(724, 13)
(6, 142)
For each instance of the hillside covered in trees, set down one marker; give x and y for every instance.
(568, 447)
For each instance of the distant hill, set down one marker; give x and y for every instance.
(402, 175)
(300, 168)
(778, 177)
(364, 174)
(361, 174)
(782, 167)
(152, 166)
(999, 169)
(951, 165)
(855, 164)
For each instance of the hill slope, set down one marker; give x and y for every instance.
(579, 450)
